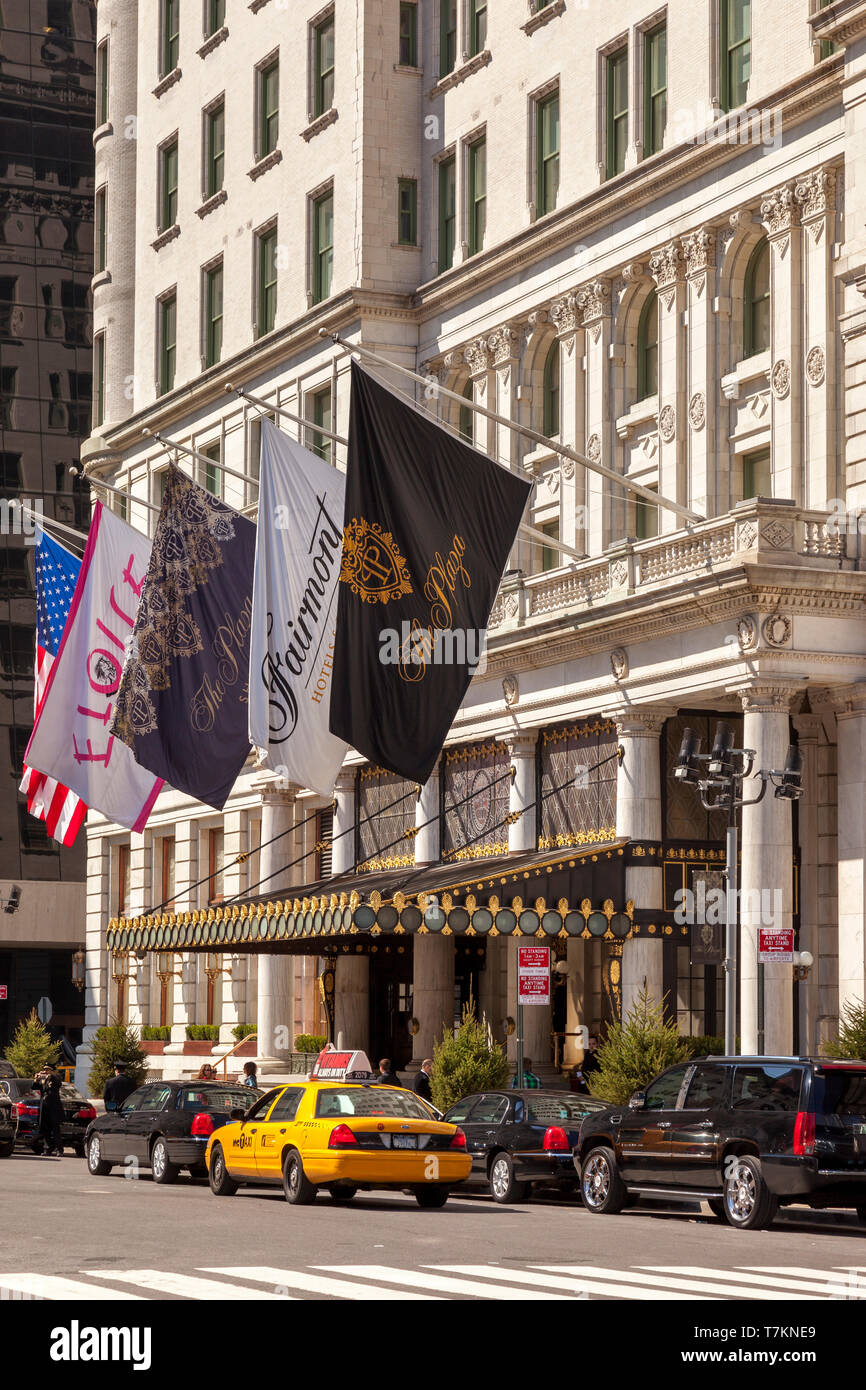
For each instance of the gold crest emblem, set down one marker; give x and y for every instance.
(372, 563)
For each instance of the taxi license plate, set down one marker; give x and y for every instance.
(405, 1141)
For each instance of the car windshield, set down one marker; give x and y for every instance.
(844, 1093)
(548, 1110)
(213, 1098)
(401, 1105)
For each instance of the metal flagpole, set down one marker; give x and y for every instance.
(118, 491)
(281, 410)
(202, 458)
(47, 520)
(556, 448)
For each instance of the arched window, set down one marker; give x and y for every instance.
(648, 349)
(551, 424)
(756, 301)
(465, 423)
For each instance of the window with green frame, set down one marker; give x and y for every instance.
(756, 301)
(464, 424)
(170, 36)
(99, 393)
(215, 149)
(447, 36)
(211, 477)
(323, 74)
(648, 349)
(168, 186)
(828, 47)
(167, 342)
(447, 212)
(409, 35)
(407, 212)
(216, 16)
(617, 112)
(323, 246)
(213, 309)
(100, 210)
(550, 392)
(477, 27)
(735, 59)
(547, 153)
(757, 475)
(320, 412)
(655, 89)
(549, 555)
(266, 306)
(269, 109)
(102, 83)
(477, 195)
(646, 518)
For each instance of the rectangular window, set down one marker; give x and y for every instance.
(8, 296)
(215, 151)
(269, 109)
(211, 471)
(168, 186)
(409, 36)
(213, 297)
(757, 476)
(102, 83)
(99, 210)
(828, 47)
(266, 307)
(549, 556)
(76, 311)
(547, 153)
(323, 58)
(407, 217)
(99, 393)
(320, 409)
(447, 212)
(167, 343)
(617, 112)
(646, 519)
(216, 861)
(8, 382)
(447, 36)
(736, 51)
(323, 247)
(477, 195)
(216, 16)
(170, 35)
(477, 27)
(655, 89)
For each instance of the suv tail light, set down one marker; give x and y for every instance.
(86, 1112)
(458, 1141)
(342, 1137)
(804, 1133)
(555, 1139)
(202, 1124)
(24, 1109)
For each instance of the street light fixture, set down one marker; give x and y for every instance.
(719, 776)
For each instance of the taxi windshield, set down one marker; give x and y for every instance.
(372, 1100)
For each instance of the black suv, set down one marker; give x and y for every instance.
(746, 1134)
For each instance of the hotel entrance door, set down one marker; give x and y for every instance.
(391, 1004)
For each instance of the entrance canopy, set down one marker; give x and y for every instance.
(566, 892)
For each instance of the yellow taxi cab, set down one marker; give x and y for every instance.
(339, 1131)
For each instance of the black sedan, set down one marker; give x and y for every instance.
(77, 1113)
(520, 1138)
(164, 1125)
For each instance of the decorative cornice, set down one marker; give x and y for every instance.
(664, 265)
(699, 250)
(848, 700)
(770, 698)
(213, 42)
(453, 78)
(319, 124)
(841, 22)
(165, 237)
(211, 204)
(166, 82)
(543, 15)
(779, 210)
(263, 165)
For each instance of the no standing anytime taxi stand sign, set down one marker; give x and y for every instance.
(533, 987)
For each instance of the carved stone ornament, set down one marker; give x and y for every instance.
(778, 210)
(563, 313)
(781, 379)
(815, 366)
(619, 664)
(593, 448)
(777, 630)
(665, 264)
(698, 410)
(815, 192)
(552, 481)
(667, 423)
(567, 468)
(502, 343)
(747, 633)
(618, 573)
(510, 691)
(699, 250)
(592, 300)
(477, 355)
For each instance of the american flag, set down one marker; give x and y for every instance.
(56, 574)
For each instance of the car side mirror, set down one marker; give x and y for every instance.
(237, 1114)
(638, 1101)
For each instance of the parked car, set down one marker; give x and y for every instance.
(77, 1113)
(164, 1125)
(8, 1125)
(521, 1138)
(6, 1068)
(746, 1134)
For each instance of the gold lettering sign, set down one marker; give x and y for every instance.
(372, 564)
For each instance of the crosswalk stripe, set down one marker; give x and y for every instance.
(792, 1285)
(717, 1281)
(440, 1282)
(185, 1285)
(799, 1271)
(316, 1283)
(553, 1280)
(53, 1286)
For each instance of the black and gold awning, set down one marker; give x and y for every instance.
(552, 893)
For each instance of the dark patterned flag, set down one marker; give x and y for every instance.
(182, 703)
(429, 523)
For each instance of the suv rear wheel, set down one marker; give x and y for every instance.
(601, 1186)
(749, 1203)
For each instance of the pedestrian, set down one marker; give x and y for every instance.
(118, 1088)
(421, 1084)
(48, 1083)
(249, 1077)
(589, 1065)
(530, 1080)
(387, 1076)
(206, 1073)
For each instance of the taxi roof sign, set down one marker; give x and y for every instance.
(331, 1065)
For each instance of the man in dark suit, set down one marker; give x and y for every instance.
(421, 1084)
(118, 1088)
(387, 1076)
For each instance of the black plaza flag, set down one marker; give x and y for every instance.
(428, 526)
(182, 702)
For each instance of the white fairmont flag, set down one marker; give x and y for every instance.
(71, 740)
(298, 551)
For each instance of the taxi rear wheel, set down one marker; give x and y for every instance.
(343, 1194)
(220, 1182)
(431, 1198)
(296, 1185)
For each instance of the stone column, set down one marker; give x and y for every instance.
(666, 269)
(593, 301)
(575, 1002)
(808, 728)
(815, 195)
(572, 421)
(700, 394)
(432, 991)
(639, 817)
(275, 986)
(343, 850)
(779, 216)
(521, 830)
(766, 873)
(427, 809)
(851, 794)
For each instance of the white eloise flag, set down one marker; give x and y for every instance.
(298, 551)
(71, 740)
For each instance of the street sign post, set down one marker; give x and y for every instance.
(533, 987)
(44, 1009)
(776, 944)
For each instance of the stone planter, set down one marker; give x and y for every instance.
(154, 1046)
(200, 1047)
